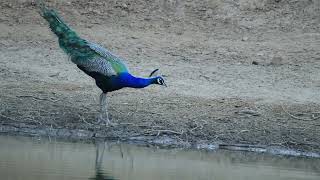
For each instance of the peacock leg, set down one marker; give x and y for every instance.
(104, 117)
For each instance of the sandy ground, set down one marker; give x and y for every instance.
(237, 71)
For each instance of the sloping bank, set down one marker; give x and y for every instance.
(167, 140)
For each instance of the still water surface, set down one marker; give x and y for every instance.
(24, 158)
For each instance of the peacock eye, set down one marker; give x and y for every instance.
(160, 81)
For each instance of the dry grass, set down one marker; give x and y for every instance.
(254, 4)
(226, 120)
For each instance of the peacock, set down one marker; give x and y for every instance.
(108, 70)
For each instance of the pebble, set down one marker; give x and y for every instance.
(260, 54)
(250, 112)
(255, 63)
(244, 38)
(276, 61)
(124, 5)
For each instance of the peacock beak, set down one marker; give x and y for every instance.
(165, 84)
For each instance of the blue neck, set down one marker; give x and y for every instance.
(127, 80)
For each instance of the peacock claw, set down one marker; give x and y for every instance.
(101, 120)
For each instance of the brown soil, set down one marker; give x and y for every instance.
(238, 71)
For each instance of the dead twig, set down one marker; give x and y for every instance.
(7, 117)
(199, 126)
(295, 117)
(36, 98)
(141, 125)
(159, 131)
(82, 118)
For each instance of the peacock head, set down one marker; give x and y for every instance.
(157, 79)
(160, 81)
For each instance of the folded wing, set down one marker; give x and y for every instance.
(100, 60)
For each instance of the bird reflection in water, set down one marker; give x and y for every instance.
(99, 173)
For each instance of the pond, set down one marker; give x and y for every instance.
(40, 159)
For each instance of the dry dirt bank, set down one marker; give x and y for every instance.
(238, 71)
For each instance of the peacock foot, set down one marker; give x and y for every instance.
(104, 120)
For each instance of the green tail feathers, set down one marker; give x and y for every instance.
(69, 41)
(56, 24)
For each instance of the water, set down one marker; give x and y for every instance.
(38, 159)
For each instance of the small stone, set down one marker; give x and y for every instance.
(244, 38)
(89, 26)
(97, 12)
(124, 5)
(260, 54)
(255, 63)
(54, 75)
(276, 61)
(249, 112)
